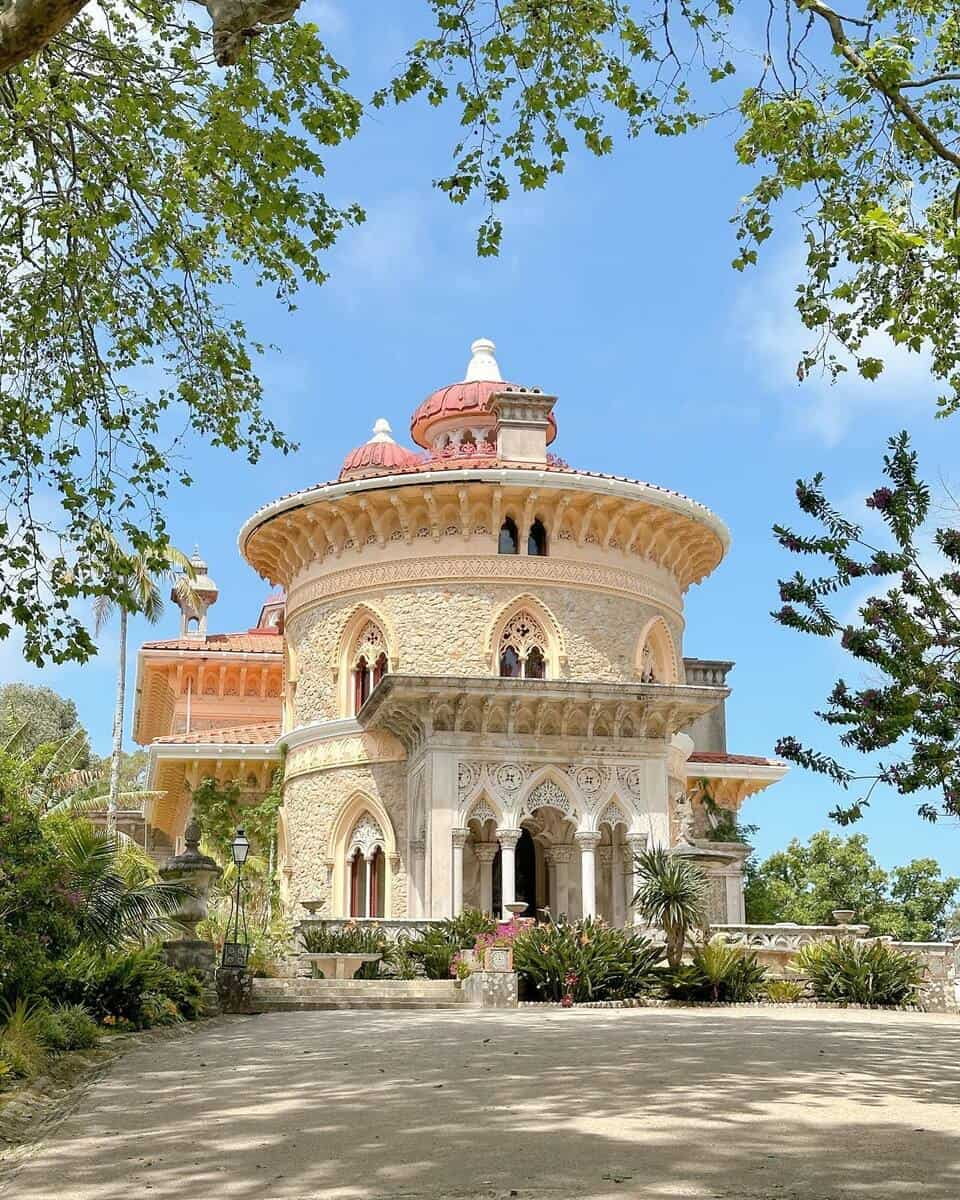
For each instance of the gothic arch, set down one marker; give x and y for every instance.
(657, 652)
(556, 652)
(344, 841)
(548, 788)
(359, 617)
(482, 808)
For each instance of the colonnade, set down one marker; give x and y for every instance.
(558, 857)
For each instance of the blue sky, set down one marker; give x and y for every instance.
(613, 290)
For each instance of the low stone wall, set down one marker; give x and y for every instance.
(393, 927)
(491, 989)
(777, 945)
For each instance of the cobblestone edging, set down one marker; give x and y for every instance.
(640, 1002)
(36, 1108)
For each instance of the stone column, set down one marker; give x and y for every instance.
(415, 905)
(508, 839)
(551, 883)
(588, 842)
(458, 840)
(561, 856)
(485, 853)
(607, 887)
(635, 843)
(368, 865)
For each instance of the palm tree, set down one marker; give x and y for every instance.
(119, 899)
(673, 895)
(142, 595)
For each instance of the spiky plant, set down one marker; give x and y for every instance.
(672, 895)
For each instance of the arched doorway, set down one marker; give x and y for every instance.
(526, 864)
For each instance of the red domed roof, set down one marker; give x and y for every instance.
(468, 396)
(380, 456)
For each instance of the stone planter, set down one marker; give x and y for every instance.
(843, 916)
(498, 958)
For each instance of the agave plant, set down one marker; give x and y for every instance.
(849, 972)
(672, 895)
(113, 882)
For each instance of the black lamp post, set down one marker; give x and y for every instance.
(236, 952)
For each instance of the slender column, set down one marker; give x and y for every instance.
(605, 890)
(561, 855)
(485, 853)
(552, 884)
(458, 840)
(588, 842)
(508, 839)
(618, 886)
(418, 851)
(368, 864)
(635, 843)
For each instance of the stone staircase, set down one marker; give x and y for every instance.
(302, 995)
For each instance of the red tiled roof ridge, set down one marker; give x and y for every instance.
(266, 733)
(751, 760)
(246, 642)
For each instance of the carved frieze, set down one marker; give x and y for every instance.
(343, 751)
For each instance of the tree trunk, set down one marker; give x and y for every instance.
(27, 25)
(118, 728)
(675, 940)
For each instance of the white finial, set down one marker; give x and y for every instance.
(482, 365)
(382, 431)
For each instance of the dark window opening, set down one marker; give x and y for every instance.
(510, 667)
(535, 667)
(509, 541)
(537, 539)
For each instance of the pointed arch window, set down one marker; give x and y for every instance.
(537, 539)
(509, 542)
(367, 869)
(369, 663)
(523, 648)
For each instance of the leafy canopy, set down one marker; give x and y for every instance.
(139, 184)
(906, 640)
(805, 883)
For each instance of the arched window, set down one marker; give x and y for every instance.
(523, 648)
(537, 539)
(657, 659)
(369, 663)
(367, 868)
(509, 539)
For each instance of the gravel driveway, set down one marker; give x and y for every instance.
(742, 1103)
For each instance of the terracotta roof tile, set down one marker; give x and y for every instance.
(260, 641)
(241, 735)
(746, 760)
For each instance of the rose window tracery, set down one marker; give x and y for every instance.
(523, 648)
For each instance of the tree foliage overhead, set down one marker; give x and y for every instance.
(906, 642)
(32, 716)
(138, 183)
(805, 883)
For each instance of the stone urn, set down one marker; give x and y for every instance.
(198, 871)
(843, 916)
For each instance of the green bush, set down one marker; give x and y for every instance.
(585, 960)
(80, 1029)
(434, 948)
(843, 971)
(129, 988)
(352, 939)
(784, 991)
(22, 1047)
(720, 973)
(51, 1031)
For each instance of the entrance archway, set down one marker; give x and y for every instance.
(526, 860)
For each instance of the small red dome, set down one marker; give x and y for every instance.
(380, 456)
(469, 396)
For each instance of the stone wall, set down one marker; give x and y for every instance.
(312, 805)
(444, 629)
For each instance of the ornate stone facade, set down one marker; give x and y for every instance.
(484, 688)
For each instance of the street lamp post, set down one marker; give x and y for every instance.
(236, 952)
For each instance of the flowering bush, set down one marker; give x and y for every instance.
(584, 960)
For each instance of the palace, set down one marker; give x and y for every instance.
(472, 674)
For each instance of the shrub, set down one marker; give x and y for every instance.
(848, 972)
(80, 1029)
(672, 895)
(129, 988)
(51, 1030)
(585, 960)
(784, 991)
(718, 972)
(22, 1047)
(434, 948)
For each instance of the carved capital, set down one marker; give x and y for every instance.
(561, 853)
(485, 852)
(586, 839)
(459, 837)
(508, 838)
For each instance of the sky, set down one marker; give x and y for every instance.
(613, 290)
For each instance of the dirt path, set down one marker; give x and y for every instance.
(742, 1103)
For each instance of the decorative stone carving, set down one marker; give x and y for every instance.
(367, 836)
(548, 794)
(589, 779)
(468, 776)
(717, 899)
(481, 812)
(509, 777)
(613, 814)
(522, 633)
(632, 779)
(685, 819)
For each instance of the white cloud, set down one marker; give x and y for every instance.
(774, 339)
(393, 248)
(329, 18)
